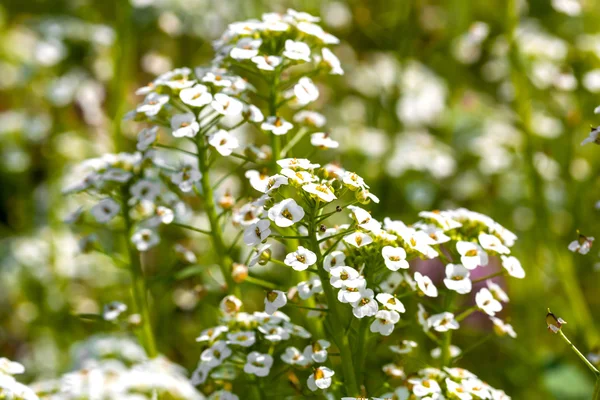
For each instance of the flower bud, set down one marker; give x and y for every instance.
(239, 272)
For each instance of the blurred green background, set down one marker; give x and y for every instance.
(443, 104)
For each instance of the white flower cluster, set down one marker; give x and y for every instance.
(9, 387)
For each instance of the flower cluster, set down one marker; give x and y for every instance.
(9, 387)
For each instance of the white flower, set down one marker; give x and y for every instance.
(226, 105)
(364, 220)
(286, 213)
(513, 266)
(112, 310)
(384, 322)
(425, 285)
(310, 118)
(253, 114)
(425, 387)
(105, 210)
(223, 142)
(457, 390)
(196, 96)
(257, 232)
(323, 192)
(305, 91)
(422, 317)
(497, 291)
(274, 333)
(342, 275)
(217, 78)
(444, 220)
(390, 302)
(274, 300)
(210, 334)
(266, 63)
(258, 364)
(230, 304)
(317, 351)
(297, 163)
(492, 243)
(332, 62)
(186, 178)
(245, 49)
(277, 125)
(477, 388)
(358, 239)
(145, 190)
(298, 51)
(145, 239)
(300, 259)
(262, 253)
(320, 379)
(416, 240)
(457, 278)
(487, 303)
(594, 137)
(216, 354)
(405, 347)
(502, 328)
(146, 138)
(582, 245)
(333, 259)
(394, 258)
(242, 338)
(472, 255)
(366, 306)
(351, 289)
(442, 322)
(437, 352)
(152, 104)
(184, 125)
(310, 287)
(293, 356)
(323, 141)
(8, 367)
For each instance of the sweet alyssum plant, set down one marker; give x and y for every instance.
(355, 288)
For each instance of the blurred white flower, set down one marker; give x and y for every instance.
(105, 210)
(184, 125)
(457, 279)
(274, 300)
(384, 322)
(223, 142)
(487, 303)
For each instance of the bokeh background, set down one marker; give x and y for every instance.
(480, 104)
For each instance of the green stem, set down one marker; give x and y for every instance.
(210, 208)
(465, 313)
(446, 354)
(363, 335)
(260, 282)
(581, 356)
(596, 395)
(138, 282)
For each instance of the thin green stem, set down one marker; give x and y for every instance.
(191, 228)
(361, 355)
(485, 278)
(581, 356)
(596, 395)
(260, 282)
(164, 146)
(465, 313)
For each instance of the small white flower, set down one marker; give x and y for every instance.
(310, 118)
(152, 104)
(457, 278)
(277, 125)
(305, 91)
(210, 334)
(186, 178)
(513, 266)
(258, 364)
(274, 300)
(230, 305)
(472, 255)
(266, 63)
(297, 164)
(293, 356)
(390, 302)
(274, 333)
(253, 114)
(394, 258)
(454, 352)
(487, 303)
(582, 245)
(145, 190)
(333, 259)
(594, 137)
(425, 387)
(425, 285)
(332, 62)
(300, 259)
(216, 354)
(442, 322)
(477, 388)
(298, 51)
(350, 291)
(145, 239)
(358, 239)
(162, 215)
(8, 367)
(226, 105)
(308, 288)
(422, 317)
(222, 395)
(323, 192)
(365, 306)
(497, 291)
(105, 210)
(196, 96)
(146, 138)
(223, 142)
(286, 213)
(341, 275)
(242, 338)
(184, 125)
(257, 232)
(320, 379)
(323, 141)
(444, 220)
(364, 220)
(502, 328)
(245, 49)
(492, 243)
(112, 310)
(317, 351)
(405, 347)
(457, 390)
(384, 322)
